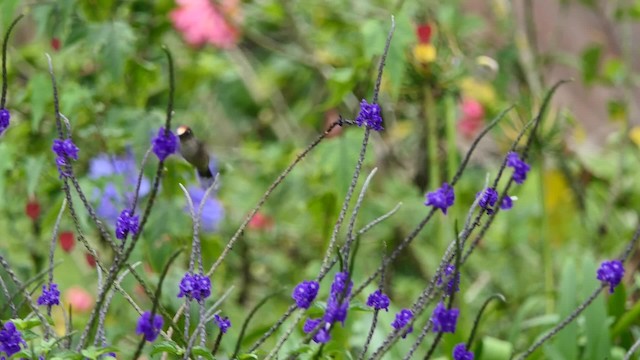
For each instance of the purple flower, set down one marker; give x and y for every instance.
(611, 272)
(507, 203)
(65, 148)
(322, 336)
(164, 144)
(369, 115)
(49, 297)
(222, 322)
(336, 310)
(127, 223)
(5, 118)
(520, 168)
(10, 339)
(402, 319)
(444, 320)
(148, 328)
(340, 283)
(305, 293)
(378, 300)
(442, 198)
(460, 352)
(454, 283)
(488, 199)
(212, 212)
(195, 286)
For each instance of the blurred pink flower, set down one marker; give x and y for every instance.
(79, 299)
(201, 22)
(472, 118)
(472, 108)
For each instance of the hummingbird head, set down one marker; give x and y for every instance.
(184, 132)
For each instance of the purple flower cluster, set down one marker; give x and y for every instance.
(378, 300)
(488, 199)
(369, 116)
(520, 168)
(611, 272)
(305, 293)
(127, 223)
(64, 149)
(114, 169)
(402, 319)
(195, 286)
(454, 283)
(444, 320)
(212, 211)
(10, 339)
(5, 117)
(164, 144)
(442, 198)
(51, 296)
(337, 307)
(322, 336)
(149, 328)
(460, 352)
(222, 322)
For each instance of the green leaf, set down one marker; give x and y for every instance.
(494, 349)
(26, 324)
(202, 351)
(590, 61)
(248, 357)
(40, 89)
(615, 71)
(113, 41)
(566, 342)
(167, 347)
(617, 110)
(34, 166)
(596, 327)
(627, 320)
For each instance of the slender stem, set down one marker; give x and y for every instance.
(3, 99)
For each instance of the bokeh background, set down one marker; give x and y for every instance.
(258, 80)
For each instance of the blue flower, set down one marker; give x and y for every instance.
(488, 199)
(11, 339)
(49, 297)
(520, 168)
(212, 212)
(195, 286)
(507, 203)
(222, 322)
(322, 336)
(369, 115)
(5, 117)
(112, 168)
(164, 144)
(149, 328)
(304, 293)
(378, 300)
(402, 319)
(460, 352)
(442, 198)
(340, 283)
(444, 320)
(454, 283)
(611, 272)
(64, 150)
(336, 310)
(127, 223)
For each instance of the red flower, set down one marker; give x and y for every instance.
(424, 33)
(55, 44)
(201, 22)
(260, 222)
(472, 118)
(90, 260)
(67, 241)
(33, 209)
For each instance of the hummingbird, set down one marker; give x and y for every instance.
(194, 151)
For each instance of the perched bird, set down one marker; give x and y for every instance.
(195, 152)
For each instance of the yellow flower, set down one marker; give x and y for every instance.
(479, 90)
(634, 135)
(424, 53)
